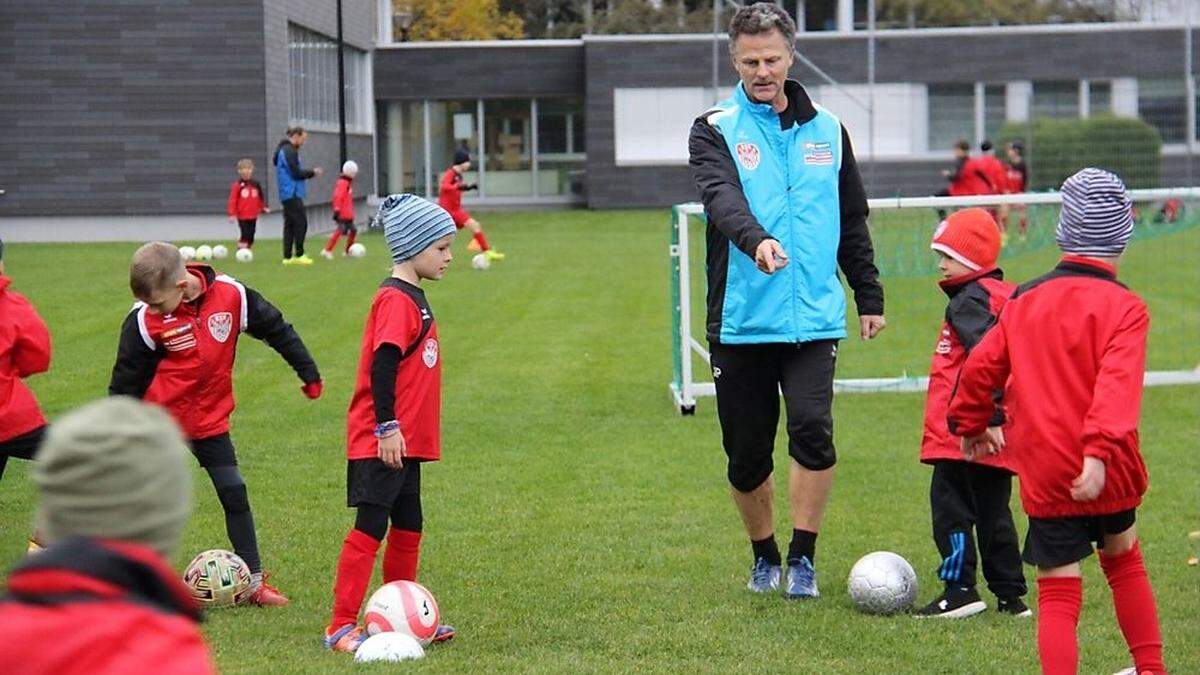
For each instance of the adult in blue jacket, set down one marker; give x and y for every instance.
(291, 179)
(786, 208)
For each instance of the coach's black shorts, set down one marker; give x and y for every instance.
(214, 451)
(1054, 542)
(748, 381)
(370, 481)
(24, 446)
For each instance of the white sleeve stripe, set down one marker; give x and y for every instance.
(242, 291)
(140, 308)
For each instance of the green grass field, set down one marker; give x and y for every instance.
(578, 523)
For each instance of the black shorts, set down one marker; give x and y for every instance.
(214, 451)
(24, 446)
(370, 481)
(1054, 542)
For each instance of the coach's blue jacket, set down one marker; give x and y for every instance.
(289, 176)
(792, 177)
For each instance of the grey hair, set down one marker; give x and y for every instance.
(761, 17)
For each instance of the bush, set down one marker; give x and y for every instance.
(1057, 148)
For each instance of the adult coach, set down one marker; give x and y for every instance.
(786, 207)
(291, 179)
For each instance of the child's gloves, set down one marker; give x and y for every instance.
(312, 389)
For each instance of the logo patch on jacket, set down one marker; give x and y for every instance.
(818, 154)
(748, 155)
(179, 338)
(943, 346)
(220, 325)
(430, 353)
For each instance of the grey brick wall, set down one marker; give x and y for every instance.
(413, 72)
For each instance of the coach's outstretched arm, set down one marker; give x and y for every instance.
(721, 188)
(265, 322)
(136, 363)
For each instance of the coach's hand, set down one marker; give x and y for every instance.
(1090, 482)
(770, 256)
(870, 325)
(391, 450)
(312, 389)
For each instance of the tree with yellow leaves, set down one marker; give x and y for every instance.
(459, 20)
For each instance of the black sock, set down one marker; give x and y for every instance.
(804, 545)
(767, 549)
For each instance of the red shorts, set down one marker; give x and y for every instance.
(460, 217)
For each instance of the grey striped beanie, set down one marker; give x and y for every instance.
(1097, 214)
(411, 225)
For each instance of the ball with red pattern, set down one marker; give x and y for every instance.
(403, 607)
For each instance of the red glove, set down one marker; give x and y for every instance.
(312, 389)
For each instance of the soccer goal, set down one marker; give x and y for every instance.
(901, 229)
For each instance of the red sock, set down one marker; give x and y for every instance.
(481, 240)
(353, 576)
(400, 556)
(1059, 600)
(1136, 613)
(333, 240)
(350, 239)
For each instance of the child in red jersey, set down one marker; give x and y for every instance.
(393, 425)
(1071, 347)
(247, 199)
(1017, 181)
(343, 210)
(969, 496)
(450, 198)
(177, 349)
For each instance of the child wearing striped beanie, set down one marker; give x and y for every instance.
(1097, 215)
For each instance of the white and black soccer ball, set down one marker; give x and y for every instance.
(882, 583)
(219, 252)
(218, 578)
(188, 252)
(481, 261)
(204, 252)
(356, 250)
(244, 255)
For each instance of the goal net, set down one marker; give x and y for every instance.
(1160, 266)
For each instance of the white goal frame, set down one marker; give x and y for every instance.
(685, 388)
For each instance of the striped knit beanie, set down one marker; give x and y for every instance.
(411, 225)
(1097, 215)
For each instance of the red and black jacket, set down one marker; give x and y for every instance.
(247, 199)
(98, 607)
(975, 302)
(343, 199)
(24, 351)
(1072, 347)
(184, 360)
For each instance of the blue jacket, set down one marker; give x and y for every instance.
(290, 177)
(794, 180)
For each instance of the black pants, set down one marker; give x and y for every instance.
(24, 446)
(219, 459)
(748, 380)
(247, 228)
(965, 496)
(295, 227)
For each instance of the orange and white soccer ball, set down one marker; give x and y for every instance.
(403, 607)
(218, 579)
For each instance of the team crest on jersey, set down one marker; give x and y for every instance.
(943, 346)
(245, 193)
(220, 325)
(748, 155)
(430, 353)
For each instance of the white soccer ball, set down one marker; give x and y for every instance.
(218, 578)
(403, 607)
(389, 647)
(244, 255)
(356, 250)
(219, 252)
(882, 583)
(204, 252)
(481, 261)
(187, 252)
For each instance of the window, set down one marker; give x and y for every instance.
(401, 139)
(652, 125)
(508, 143)
(1163, 104)
(1055, 99)
(313, 81)
(993, 110)
(560, 156)
(951, 115)
(1099, 97)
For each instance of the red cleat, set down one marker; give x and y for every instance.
(267, 596)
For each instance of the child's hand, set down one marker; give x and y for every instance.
(996, 435)
(1090, 482)
(978, 446)
(312, 389)
(391, 450)
(266, 210)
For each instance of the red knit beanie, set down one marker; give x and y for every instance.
(970, 236)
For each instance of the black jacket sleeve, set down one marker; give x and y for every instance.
(265, 322)
(136, 363)
(292, 157)
(970, 317)
(856, 255)
(384, 366)
(720, 188)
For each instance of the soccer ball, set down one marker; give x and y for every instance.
(882, 583)
(404, 607)
(218, 578)
(204, 252)
(187, 252)
(244, 255)
(356, 250)
(389, 647)
(219, 252)
(480, 262)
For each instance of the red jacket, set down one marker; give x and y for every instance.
(450, 190)
(184, 360)
(1072, 347)
(343, 199)
(970, 179)
(24, 351)
(975, 302)
(98, 607)
(1016, 177)
(247, 199)
(994, 173)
